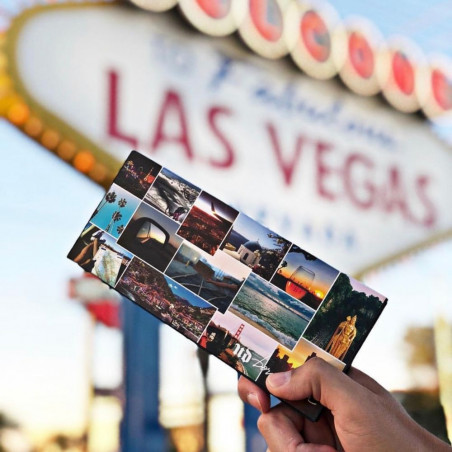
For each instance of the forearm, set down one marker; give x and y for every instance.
(425, 441)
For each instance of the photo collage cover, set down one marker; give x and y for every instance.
(239, 290)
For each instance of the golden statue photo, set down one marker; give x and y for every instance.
(342, 338)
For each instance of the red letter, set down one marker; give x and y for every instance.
(229, 151)
(172, 104)
(350, 184)
(113, 107)
(286, 167)
(323, 170)
(430, 217)
(396, 197)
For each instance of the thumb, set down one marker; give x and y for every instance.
(319, 380)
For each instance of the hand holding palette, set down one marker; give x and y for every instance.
(242, 292)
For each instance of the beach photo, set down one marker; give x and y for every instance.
(271, 310)
(98, 253)
(137, 174)
(305, 277)
(151, 236)
(238, 344)
(166, 299)
(115, 210)
(216, 278)
(283, 360)
(208, 223)
(255, 246)
(345, 317)
(172, 195)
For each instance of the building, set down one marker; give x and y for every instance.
(250, 253)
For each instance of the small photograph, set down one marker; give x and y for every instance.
(283, 359)
(172, 195)
(217, 278)
(151, 236)
(305, 277)
(98, 253)
(238, 344)
(255, 246)
(167, 300)
(137, 174)
(271, 311)
(208, 223)
(343, 320)
(115, 210)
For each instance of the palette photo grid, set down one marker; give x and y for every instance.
(243, 293)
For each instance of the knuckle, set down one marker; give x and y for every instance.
(268, 421)
(293, 444)
(317, 364)
(262, 423)
(314, 366)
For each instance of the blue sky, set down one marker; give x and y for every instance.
(426, 23)
(44, 384)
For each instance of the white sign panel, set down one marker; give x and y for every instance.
(347, 177)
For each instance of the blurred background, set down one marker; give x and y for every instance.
(333, 126)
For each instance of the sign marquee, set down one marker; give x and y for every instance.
(322, 45)
(363, 43)
(345, 174)
(313, 35)
(214, 17)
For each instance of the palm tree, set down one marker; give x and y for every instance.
(119, 229)
(110, 197)
(117, 215)
(122, 202)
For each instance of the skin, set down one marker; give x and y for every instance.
(361, 417)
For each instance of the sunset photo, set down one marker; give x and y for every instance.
(304, 277)
(283, 359)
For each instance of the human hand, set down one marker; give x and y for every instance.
(362, 416)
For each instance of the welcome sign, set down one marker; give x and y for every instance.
(228, 283)
(358, 181)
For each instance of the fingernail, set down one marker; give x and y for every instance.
(278, 379)
(253, 400)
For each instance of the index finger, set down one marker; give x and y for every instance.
(254, 395)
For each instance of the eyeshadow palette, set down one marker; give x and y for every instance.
(245, 294)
